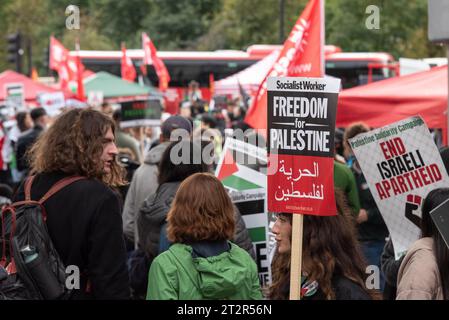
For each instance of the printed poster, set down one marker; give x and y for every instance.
(52, 102)
(15, 96)
(141, 113)
(401, 164)
(301, 129)
(241, 169)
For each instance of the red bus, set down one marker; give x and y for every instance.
(184, 66)
(358, 68)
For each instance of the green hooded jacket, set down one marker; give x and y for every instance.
(176, 275)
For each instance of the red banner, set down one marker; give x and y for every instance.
(150, 57)
(3, 165)
(127, 67)
(301, 56)
(58, 54)
(69, 68)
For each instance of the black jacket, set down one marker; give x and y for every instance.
(23, 144)
(152, 215)
(390, 268)
(84, 222)
(374, 229)
(344, 289)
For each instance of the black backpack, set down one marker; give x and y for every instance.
(33, 267)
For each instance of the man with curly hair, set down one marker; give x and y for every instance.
(84, 218)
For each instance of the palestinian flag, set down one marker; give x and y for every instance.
(239, 177)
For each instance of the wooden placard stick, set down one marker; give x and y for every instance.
(296, 257)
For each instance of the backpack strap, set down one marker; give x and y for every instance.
(3, 258)
(27, 188)
(58, 186)
(11, 266)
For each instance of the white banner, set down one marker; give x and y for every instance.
(401, 164)
(52, 102)
(15, 96)
(95, 98)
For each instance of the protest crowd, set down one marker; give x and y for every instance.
(171, 223)
(96, 205)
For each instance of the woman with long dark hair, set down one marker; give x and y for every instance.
(424, 272)
(333, 266)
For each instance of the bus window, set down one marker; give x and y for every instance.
(352, 77)
(182, 72)
(354, 68)
(97, 65)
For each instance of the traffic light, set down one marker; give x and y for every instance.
(15, 50)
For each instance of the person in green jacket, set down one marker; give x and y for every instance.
(202, 263)
(345, 181)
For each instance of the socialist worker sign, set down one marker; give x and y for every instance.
(301, 129)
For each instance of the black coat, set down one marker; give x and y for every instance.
(390, 268)
(374, 229)
(153, 213)
(23, 144)
(85, 224)
(344, 289)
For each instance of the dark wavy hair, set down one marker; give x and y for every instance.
(355, 129)
(428, 229)
(169, 171)
(201, 210)
(330, 247)
(21, 117)
(74, 145)
(351, 131)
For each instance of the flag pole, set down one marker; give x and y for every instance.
(80, 86)
(296, 257)
(323, 37)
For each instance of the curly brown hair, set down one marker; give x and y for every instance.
(201, 210)
(330, 247)
(355, 129)
(73, 145)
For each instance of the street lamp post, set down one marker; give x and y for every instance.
(281, 21)
(438, 32)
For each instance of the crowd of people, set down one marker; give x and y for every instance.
(140, 226)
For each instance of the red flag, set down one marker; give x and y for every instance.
(150, 57)
(79, 74)
(301, 56)
(3, 164)
(69, 68)
(143, 68)
(64, 76)
(128, 70)
(68, 71)
(58, 54)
